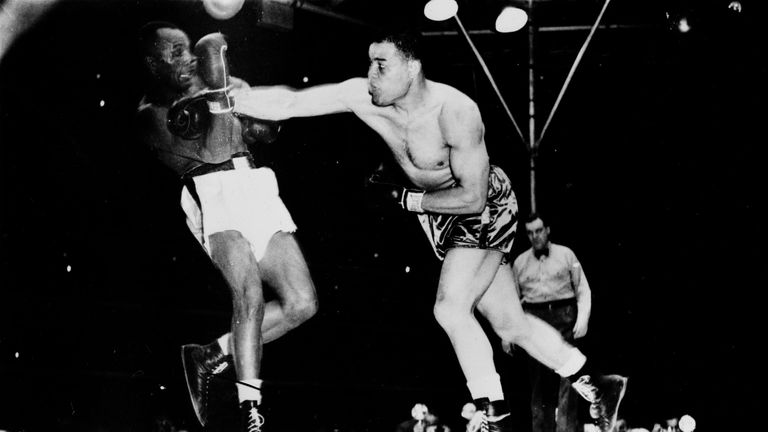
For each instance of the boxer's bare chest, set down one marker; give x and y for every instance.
(181, 154)
(415, 140)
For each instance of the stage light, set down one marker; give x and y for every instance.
(440, 10)
(419, 411)
(69, 268)
(735, 6)
(511, 19)
(222, 9)
(683, 26)
(468, 411)
(687, 423)
(407, 269)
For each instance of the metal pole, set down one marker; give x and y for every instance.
(533, 150)
(490, 77)
(573, 69)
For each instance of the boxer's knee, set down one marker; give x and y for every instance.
(300, 308)
(451, 314)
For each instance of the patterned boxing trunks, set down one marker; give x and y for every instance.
(238, 197)
(493, 229)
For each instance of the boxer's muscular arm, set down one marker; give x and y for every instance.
(463, 130)
(281, 103)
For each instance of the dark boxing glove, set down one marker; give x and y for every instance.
(212, 66)
(188, 118)
(406, 198)
(257, 131)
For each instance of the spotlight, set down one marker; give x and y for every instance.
(735, 6)
(511, 19)
(419, 411)
(222, 9)
(440, 10)
(687, 423)
(468, 410)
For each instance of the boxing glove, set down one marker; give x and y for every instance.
(407, 198)
(259, 131)
(212, 66)
(188, 118)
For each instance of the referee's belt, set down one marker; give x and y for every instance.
(554, 304)
(240, 160)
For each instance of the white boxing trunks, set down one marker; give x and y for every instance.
(243, 199)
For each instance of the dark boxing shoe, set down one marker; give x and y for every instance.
(604, 393)
(251, 419)
(490, 417)
(201, 363)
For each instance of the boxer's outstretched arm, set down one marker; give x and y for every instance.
(281, 102)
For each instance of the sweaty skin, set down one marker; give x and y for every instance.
(434, 131)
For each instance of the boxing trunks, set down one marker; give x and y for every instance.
(235, 195)
(493, 229)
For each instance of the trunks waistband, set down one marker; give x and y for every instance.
(550, 304)
(241, 160)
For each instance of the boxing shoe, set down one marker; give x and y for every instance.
(251, 419)
(201, 363)
(604, 393)
(490, 417)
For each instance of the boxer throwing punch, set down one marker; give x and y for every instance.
(467, 209)
(232, 206)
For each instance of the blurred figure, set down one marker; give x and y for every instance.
(672, 425)
(422, 420)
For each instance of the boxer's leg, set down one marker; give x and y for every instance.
(465, 276)
(285, 271)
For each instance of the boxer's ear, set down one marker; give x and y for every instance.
(414, 67)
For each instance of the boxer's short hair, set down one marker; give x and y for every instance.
(407, 42)
(148, 34)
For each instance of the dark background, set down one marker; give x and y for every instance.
(651, 171)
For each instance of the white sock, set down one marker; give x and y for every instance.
(246, 392)
(224, 343)
(575, 362)
(488, 386)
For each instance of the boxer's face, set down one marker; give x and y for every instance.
(389, 74)
(538, 234)
(172, 62)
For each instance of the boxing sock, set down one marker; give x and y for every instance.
(488, 386)
(250, 391)
(575, 364)
(224, 343)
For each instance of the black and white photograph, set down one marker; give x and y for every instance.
(382, 215)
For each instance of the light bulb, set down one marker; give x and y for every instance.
(511, 19)
(440, 10)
